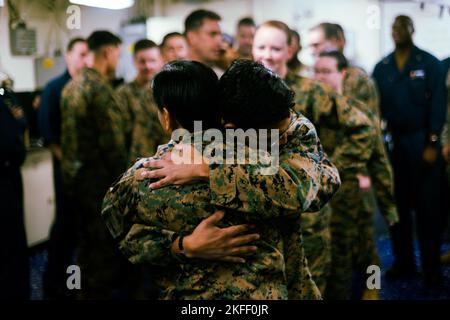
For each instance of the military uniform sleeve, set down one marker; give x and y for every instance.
(360, 86)
(72, 102)
(354, 150)
(373, 100)
(139, 242)
(366, 92)
(244, 188)
(126, 111)
(111, 137)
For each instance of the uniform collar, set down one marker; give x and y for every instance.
(66, 74)
(291, 78)
(416, 55)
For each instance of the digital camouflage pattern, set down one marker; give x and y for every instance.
(231, 186)
(303, 163)
(144, 223)
(317, 242)
(94, 155)
(358, 85)
(143, 129)
(347, 135)
(345, 132)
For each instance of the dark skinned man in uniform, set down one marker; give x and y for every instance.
(412, 100)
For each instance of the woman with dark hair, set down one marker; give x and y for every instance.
(174, 227)
(184, 92)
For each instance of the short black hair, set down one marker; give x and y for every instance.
(168, 36)
(252, 96)
(341, 60)
(144, 44)
(407, 20)
(330, 30)
(189, 91)
(247, 22)
(195, 19)
(73, 42)
(101, 38)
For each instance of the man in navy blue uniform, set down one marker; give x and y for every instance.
(63, 235)
(14, 265)
(413, 102)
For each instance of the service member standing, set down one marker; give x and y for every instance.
(93, 155)
(329, 37)
(331, 68)
(63, 236)
(174, 47)
(204, 37)
(245, 32)
(144, 131)
(412, 96)
(346, 134)
(14, 266)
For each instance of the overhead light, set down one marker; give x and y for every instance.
(105, 4)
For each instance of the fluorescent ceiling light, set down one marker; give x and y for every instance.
(106, 4)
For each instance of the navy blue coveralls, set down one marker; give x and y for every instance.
(63, 233)
(413, 102)
(14, 265)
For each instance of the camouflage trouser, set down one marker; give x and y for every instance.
(317, 243)
(105, 272)
(301, 284)
(382, 181)
(344, 226)
(365, 249)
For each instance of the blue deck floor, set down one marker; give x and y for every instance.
(411, 289)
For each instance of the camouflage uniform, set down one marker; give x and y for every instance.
(143, 130)
(287, 156)
(359, 86)
(144, 222)
(94, 154)
(346, 134)
(303, 70)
